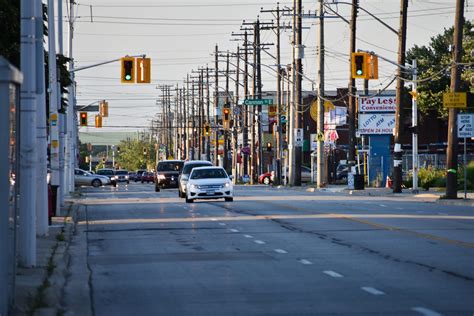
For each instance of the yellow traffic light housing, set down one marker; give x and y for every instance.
(98, 121)
(83, 119)
(226, 117)
(373, 67)
(128, 69)
(143, 70)
(207, 129)
(359, 65)
(104, 108)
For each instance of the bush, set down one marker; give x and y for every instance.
(431, 177)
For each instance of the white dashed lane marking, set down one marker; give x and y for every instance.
(382, 205)
(234, 230)
(280, 251)
(304, 261)
(333, 274)
(260, 242)
(248, 236)
(222, 224)
(372, 290)
(425, 311)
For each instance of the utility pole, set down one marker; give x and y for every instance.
(397, 161)
(352, 100)
(237, 118)
(28, 152)
(72, 121)
(227, 101)
(278, 131)
(452, 150)
(193, 125)
(185, 123)
(216, 107)
(298, 99)
(200, 112)
(259, 96)
(208, 114)
(41, 130)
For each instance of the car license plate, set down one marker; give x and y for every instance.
(210, 192)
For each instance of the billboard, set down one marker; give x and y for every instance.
(377, 104)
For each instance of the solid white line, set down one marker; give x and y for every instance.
(425, 311)
(304, 261)
(248, 236)
(234, 230)
(333, 274)
(260, 242)
(280, 251)
(372, 290)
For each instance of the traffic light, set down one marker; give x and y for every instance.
(86, 158)
(359, 65)
(104, 108)
(207, 129)
(128, 69)
(118, 149)
(98, 121)
(144, 151)
(83, 118)
(143, 70)
(373, 67)
(226, 114)
(269, 146)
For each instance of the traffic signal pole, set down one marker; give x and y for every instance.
(351, 109)
(397, 159)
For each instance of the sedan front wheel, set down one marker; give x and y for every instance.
(96, 183)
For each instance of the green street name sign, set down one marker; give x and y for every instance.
(258, 101)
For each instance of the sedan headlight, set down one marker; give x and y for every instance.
(127, 177)
(192, 187)
(227, 184)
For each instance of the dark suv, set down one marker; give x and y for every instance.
(167, 173)
(109, 173)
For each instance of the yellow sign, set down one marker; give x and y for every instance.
(455, 100)
(328, 105)
(313, 111)
(54, 143)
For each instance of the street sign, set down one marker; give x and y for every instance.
(465, 125)
(258, 101)
(455, 100)
(283, 118)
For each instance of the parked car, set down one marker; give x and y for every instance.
(82, 177)
(166, 174)
(187, 168)
(132, 176)
(268, 177)
(122, 176)
(110, 173)
(147, 177)
(343, 169)
(139, 174)
(209, 183)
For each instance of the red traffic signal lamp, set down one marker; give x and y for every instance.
(226, 113)
(269, 146)
(128, 69)
(83, 118)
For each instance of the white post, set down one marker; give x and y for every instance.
(414, 124)
(71, 112)
(53, 105)
(41, 129)
(28, 152)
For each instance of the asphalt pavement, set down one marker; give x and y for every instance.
(270, 252)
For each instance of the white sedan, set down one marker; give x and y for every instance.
(82, 177)
(209, 183)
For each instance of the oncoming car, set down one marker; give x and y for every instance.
(209, 183)
(184, 176)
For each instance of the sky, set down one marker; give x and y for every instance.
(179, 36)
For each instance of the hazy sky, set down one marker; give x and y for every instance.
(180, 36)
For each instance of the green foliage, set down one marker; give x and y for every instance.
(131, 155)
(433, 61)
(10, 31)
(431, 177)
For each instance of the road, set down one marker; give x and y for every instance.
(275, 252)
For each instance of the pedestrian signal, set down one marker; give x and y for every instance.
(98, 121)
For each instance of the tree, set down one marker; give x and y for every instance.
(434, 63)
(10, 34)
(132, 156)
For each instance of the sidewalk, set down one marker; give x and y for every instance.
(39, 290)
(423, 196)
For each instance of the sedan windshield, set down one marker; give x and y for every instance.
(188, 167)
(208, 174)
